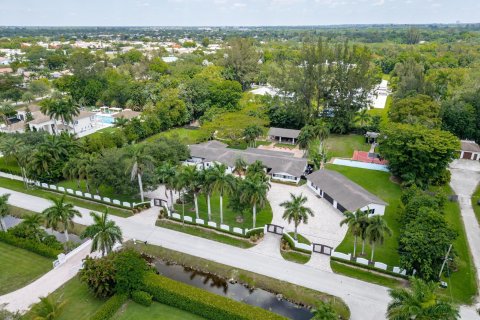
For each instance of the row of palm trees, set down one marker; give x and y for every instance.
(252, 184)
(373, 229)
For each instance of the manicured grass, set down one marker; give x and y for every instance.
(187, 136)
(300, 238)
(263, 143)
(383, 113)
(289, 291)
(9, 165)
(103, 131)
(476, 207)
(295, 256)
(104, 191)
(19, 267)
(285, 145)
(204, 233)
(364, 275)
(378, 183)
(264, 216)
(157, 311)
(80, 303)
(18, 186)
(342, 146)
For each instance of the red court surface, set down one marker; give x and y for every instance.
(363, 157)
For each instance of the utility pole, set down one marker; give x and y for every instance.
(444, 261)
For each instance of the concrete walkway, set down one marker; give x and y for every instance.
(365, 300)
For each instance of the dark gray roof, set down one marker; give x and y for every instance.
(276, 161)
(284, 133)
(346, 192)
(469, 146)
(270, 152)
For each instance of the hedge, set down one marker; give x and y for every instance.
(255, 231)
(292, 245)
(109, 308)
(206, 226)
(30, 245)
(201, 302)
(142, 297)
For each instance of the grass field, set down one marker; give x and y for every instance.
(20, 267)
(204, 233)
(264, 216)
(18, 186)
(476, 207)
(187, 136)
(157, 311)
(8, 164)
(342, 146)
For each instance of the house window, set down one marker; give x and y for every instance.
(370, 211)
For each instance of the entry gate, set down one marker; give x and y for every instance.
(273, 228)
(158, 202)
(323, 249)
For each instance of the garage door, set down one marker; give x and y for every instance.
(327, 197)
(467, 155)
(341, 208)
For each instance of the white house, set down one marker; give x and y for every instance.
(344, 194)
(470, 150)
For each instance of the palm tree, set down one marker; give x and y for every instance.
(254, 192)
(166, 175)
(4, 210)
(364, 222)
(6, 110)
(376, 231)
(138, 162)
(240, 166)
(256, 168)
(324, 311)
(251, 133)
(70, 170)
(60, 212)
(49, 309)
(14, 147)
(419, 302)
(192, 181)
(52, 108)
(296, 211)
(352, 219)
(223, 182)
(121, 122)
(305, 139)
(32, 224)
(103, 232)
(85, 165)
(207, 188)
(363, 117)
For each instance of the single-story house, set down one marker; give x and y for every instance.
(280, 165)
(344, 194)
(469, 150)
(127, 114)
(282, 135)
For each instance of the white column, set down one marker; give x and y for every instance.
(461, 155)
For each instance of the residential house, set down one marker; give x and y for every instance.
(281, 135)
(469, 150)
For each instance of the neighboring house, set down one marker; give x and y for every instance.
(16, 127)
(280, 166)
(127, 114)
(469, 150)
(344, 194)
(284, 135)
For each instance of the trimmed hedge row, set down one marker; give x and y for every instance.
(142, 297)
(30, 245)
(206, 226)
(201, 302)
(362, 266)
(109, 308)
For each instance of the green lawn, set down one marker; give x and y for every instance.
(342, 146)
(157, 311)
(187, 136)
(104, 191)
(383, 113)
(19, 267)
(378, 183)
(295, 256)
(365, 275)
(300, 238)
(476, 207)
(18, 186)
(264, 216)
(101, 132)
(285, 145)
(8, 164)
(205, 233)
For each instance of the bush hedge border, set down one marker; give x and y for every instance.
(109, 308)
(142, 297)
(30, 245)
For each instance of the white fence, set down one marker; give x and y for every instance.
(299, 245)
(62, 258)
(380, 266)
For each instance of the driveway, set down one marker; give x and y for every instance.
(323, 227)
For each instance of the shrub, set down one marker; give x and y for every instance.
(142, 297)
(99, 275)
(200, 302)
(30, 245)
(130, 269)
(256, 231)
(109, 308)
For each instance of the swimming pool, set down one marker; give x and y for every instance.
(363, 165)
(106, 119)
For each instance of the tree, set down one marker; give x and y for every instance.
(240, 167)
(39, 87)
(137, 162)
(242, 61)
(296, 211)
(252, 133)
(223, 182)
(103, 232)
(4, 209)
(324, 311)
(99, 275)
(166, 175)
(305, 138)
(207, 188)
(28, 97)
(49, 309)
(363, 117)
(121, 122)
(353, 220)
(376, 231)
(254, 192)
(418, 109)
(6, 110)
(192, 181)
(419, 302)
(60, 212)
(417, 154)
(411, 78)
(256, 168)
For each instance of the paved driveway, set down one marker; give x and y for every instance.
(323, 228)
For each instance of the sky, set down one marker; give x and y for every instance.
(234, 12)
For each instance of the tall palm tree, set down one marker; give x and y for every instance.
(138, 162)
(419, 302)
(223, 182)
(166, 175)
(52, 108)
(192, 180)
(254, 192)
(4, 210)
(240, 166)
(14, 147)
(305, 139)
(60, 212)
(6, 110)
(364, 222)
(70, 170)
(256, 168)
(103, 232)
(363, 117)
(353, 219)
(32, 224)
(376, 231)
(207, 189)
(296, 211)
(49, 308)
(121, 122)
(85, 166)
